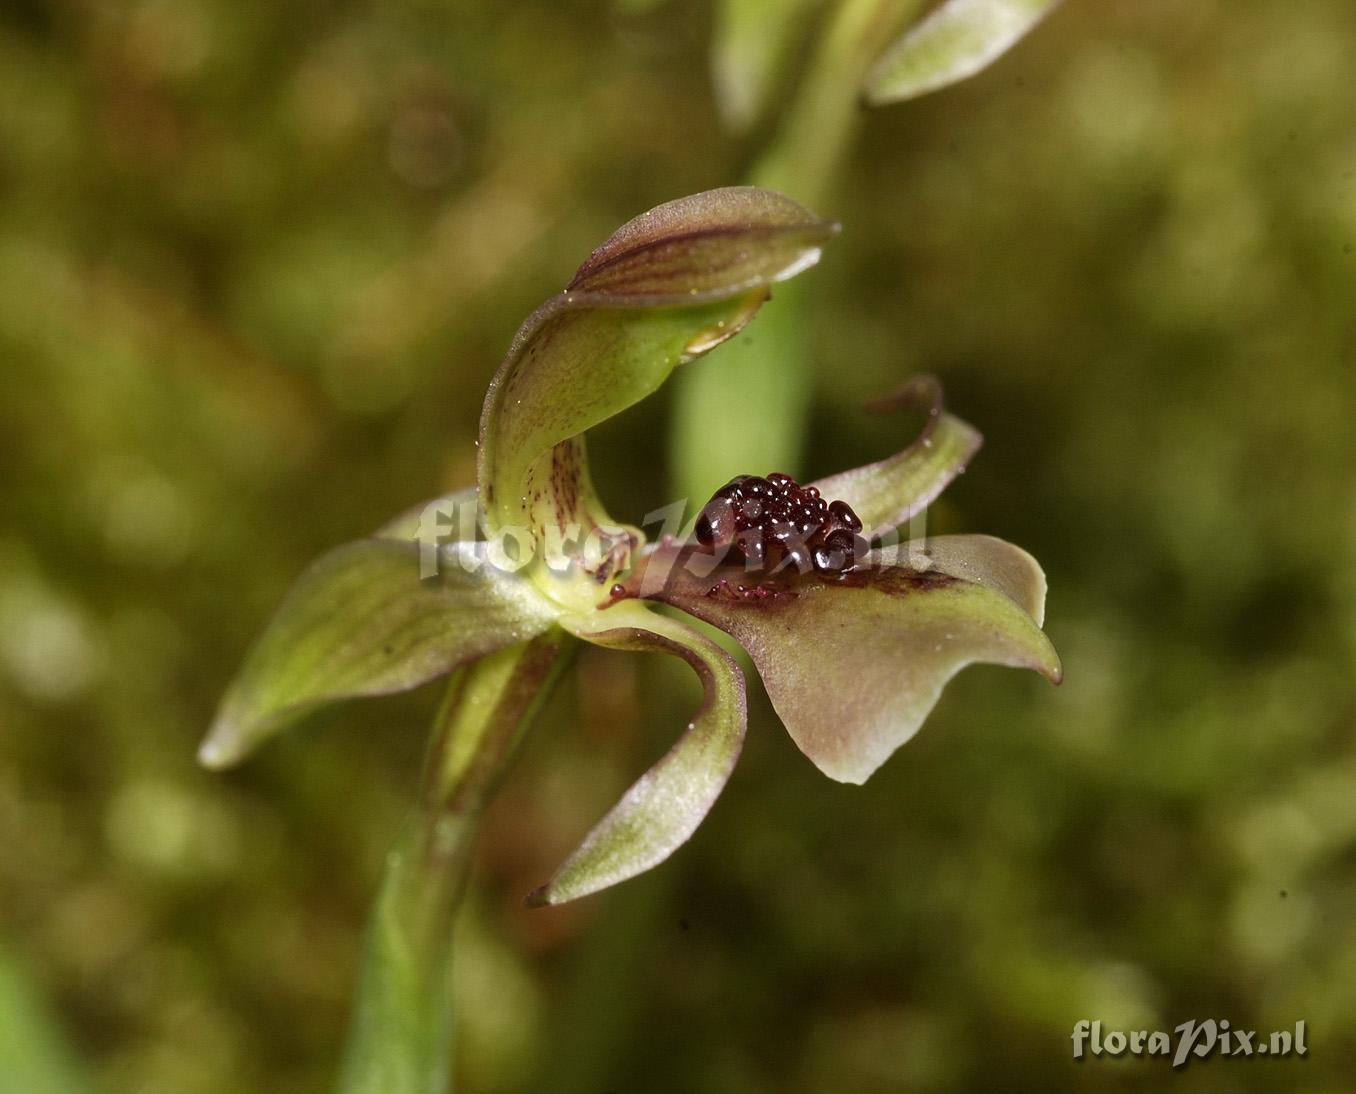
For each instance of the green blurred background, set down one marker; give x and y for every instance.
(257, 264)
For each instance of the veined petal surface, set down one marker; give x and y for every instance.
(362, 621)
(668, 286)
(854, 666)
(663, 808)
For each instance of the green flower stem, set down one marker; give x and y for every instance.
(823, 117)
(400, 1040)
(747, 414)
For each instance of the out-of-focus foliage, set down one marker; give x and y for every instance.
(257, 264)
(751, 50)
(34, 1056)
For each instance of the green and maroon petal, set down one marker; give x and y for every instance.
(854, 666)
(662, 810)
(362, 621)
(667, 287)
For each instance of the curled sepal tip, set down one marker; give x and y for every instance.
(889, 492)
(661, 810)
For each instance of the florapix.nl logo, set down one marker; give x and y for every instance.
(1196, 1038)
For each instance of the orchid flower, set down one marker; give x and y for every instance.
(853, 632)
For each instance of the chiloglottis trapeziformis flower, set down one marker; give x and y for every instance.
(853, 633)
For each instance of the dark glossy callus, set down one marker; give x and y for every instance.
(774, 524)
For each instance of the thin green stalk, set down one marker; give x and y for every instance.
(818, 127)
(746, 413)
(401, 1035)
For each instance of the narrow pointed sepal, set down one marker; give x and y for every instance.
(659, 812)
(363, 621)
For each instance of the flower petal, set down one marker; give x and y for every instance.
(955, 41)
(658, 814)
(705, 247)
(361, 621)
(984, 560)
(854, 667)
(667, 287)
(889, 492)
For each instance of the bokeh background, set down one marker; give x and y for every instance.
(257, 264)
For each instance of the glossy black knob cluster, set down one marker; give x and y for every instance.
(774, 524)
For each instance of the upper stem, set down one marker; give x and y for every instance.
(714, 435)
(817, 128)
(400, 1040)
